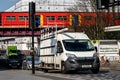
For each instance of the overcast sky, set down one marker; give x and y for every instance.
(5, 4)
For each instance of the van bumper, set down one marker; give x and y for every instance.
(73, 64)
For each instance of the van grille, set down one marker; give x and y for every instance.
(85, 60)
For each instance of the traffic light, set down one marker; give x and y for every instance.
(37, 21)
(31, 15)
(102, 4)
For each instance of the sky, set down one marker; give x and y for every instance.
(5, 4)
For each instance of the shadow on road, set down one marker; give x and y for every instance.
(83, 75)
(80, 72)
(2, 68)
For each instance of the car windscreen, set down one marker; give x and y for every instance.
(78, 45)
(35, 58)
(13, 51)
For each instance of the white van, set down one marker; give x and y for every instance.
(68, 51)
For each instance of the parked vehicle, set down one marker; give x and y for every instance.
(107, 49)
(3, 58)
(67, 51)
(14, 62)
(27, 63)
(14, 57)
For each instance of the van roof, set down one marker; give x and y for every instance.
(72, 35)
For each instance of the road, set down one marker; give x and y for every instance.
(15, 74)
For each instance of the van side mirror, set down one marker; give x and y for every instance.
(59, 50)
(59, 47)
(96, 49)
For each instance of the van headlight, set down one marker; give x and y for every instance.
(70, 55)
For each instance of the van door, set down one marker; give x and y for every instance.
(57, 58)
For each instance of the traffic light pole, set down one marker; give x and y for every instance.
(33, 67)
(32, 26)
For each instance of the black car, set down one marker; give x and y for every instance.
(27, 63)
(14, 63)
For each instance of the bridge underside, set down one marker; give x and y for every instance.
(11, 32)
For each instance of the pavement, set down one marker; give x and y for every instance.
(112, 65)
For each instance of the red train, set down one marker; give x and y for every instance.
(60, 19)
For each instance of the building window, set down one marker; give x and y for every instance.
(62, 18)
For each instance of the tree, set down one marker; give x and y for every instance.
(93, 31)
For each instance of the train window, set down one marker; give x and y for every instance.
(50, 17)
(23, 17)
(10, 18)
(47, 17)
(13, 18)
(117, 17)
(88, 17)
(62, 18)
(102, 18)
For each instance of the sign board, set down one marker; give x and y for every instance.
(112, 28)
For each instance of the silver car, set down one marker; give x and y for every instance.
(27, 63)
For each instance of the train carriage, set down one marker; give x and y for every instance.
(14, 19)
(60, 19)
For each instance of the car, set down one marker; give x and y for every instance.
(14, 63)
(27, 63)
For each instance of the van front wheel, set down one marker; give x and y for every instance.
(63, 68)
(95, 71)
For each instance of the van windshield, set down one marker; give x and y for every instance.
(78, 45)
